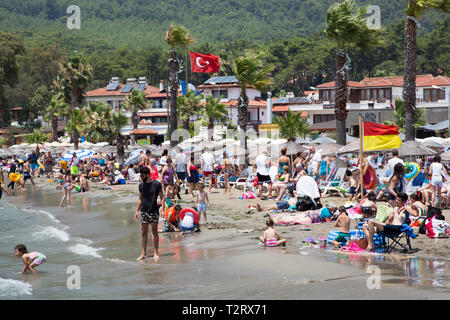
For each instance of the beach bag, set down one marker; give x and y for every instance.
(305, 203)
(435, 228)
(255, 181)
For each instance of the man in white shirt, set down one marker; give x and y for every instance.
(207, 168)
(262, 165)
(392, 162)
(180, 165)
(314, 163)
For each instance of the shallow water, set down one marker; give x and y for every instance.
(99, 237)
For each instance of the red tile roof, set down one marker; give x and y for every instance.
(425, 80)
(153, 114)
(144, 132)
(283, 108)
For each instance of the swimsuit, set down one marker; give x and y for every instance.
(271, 242)
(280, 167)
(36, 258)
(168, 176)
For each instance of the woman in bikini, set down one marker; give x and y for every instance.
(67, 185)
(227, 171)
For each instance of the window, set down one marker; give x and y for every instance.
(325, 95)
(380, 94)
(318, 118)
(332, 92)
(220, 93)
(432, 95)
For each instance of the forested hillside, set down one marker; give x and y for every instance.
(135, 23)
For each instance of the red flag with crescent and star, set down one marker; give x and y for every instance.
(206, 63)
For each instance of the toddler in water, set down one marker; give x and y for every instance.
(30, 260)
(271, 238)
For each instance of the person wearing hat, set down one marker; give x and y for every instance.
(118, 178)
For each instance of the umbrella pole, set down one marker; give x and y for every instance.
(361, 141)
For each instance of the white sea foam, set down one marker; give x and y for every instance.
(86, 250)
(52, 232)
(15, 288)
(48, 214)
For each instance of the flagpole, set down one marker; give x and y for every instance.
(361, 144)
(187, 70)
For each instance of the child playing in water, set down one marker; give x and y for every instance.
(84, 185)
(271, 238)
(30, 260)
(202, 201)
(343, 223)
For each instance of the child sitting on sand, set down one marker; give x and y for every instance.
(369, 207)
(343, 223)
(271, 238)
(30, 260)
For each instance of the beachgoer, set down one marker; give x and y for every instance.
(393, 223)
(30, 260)
(48, 164)
(172, 216)
(147, 210)
(262, 165)
(12, 169)
(84, 185)
(291, 204)
(343, 223)
(369, 207)
(180, 166)
(437, 172)
(283, 161)
(280, 186)
(27, 173)
(314, 159)
(202, 201)
(396, 184)
(168, 173)
(207, 167)
(163, 160)
(393, 161)
(227, 171)
(188, 222)
(352, 183)
(271, 238)
(68, 186)
(192, 177)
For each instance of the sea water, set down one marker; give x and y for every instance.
(91, 250)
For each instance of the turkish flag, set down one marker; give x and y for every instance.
(206, 63)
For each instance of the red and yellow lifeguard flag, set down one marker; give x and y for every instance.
(380, 137)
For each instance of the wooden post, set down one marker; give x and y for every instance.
(361, 150)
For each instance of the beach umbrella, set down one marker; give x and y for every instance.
(302, 141)
(352, 147)
(322, 140)
(414, 148)
(133, 158)
(328, 149)
(445, 156)
(293, 148)
(81, 154)
(105, 149)
(432, 144)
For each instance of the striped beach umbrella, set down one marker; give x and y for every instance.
(81, 154)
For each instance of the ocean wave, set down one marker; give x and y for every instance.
(52, 232)
(48, 214)
(86, 250)
(15, 288)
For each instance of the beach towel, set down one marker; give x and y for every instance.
(436, 228)
(382, 213)
(352, 247)
(248, 195)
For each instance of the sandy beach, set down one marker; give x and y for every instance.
(230, 213)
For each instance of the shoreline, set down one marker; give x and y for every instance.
(225, 213)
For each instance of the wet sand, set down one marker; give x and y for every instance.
(224, 261)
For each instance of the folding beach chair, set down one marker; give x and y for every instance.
(337, 184)
(323, 183)
(392, 239)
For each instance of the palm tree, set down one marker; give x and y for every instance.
(73, 79)
(249, 71)
(414, 9)
(134, 103)
(100, 115)
(177, 37)
(77, 124)
(118, 121)
(346, 26)
(57, 107)
(213, 111)
(37, 137)
(188, 106)
(292, 125)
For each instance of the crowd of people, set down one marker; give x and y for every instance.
(162, 179)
